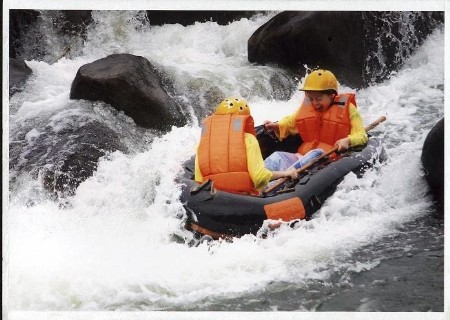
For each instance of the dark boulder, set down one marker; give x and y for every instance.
(359, 47)
(391, 37)
(186, 18)
(325, 39)
(30, 31)
(93, 141)
(75, 22)
(18, 75)
(132, 85)
(433, 160)
(20, 23)
(64, 159)
(71, 29)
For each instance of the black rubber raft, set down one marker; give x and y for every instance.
(222, 214)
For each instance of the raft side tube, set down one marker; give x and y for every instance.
(228, 214)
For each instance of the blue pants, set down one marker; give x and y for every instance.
(280, 160)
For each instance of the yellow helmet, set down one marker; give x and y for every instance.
(233, 106)
(320, 80)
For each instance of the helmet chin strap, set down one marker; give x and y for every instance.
(340, 103)
(332, 102)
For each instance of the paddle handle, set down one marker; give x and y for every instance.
(310, 164)
(375, 123)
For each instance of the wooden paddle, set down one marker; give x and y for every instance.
(310, 164)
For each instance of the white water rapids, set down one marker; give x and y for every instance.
(110, 248)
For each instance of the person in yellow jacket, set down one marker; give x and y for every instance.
(325, 119)
(229, 154)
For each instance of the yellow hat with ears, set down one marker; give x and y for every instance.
(233, 106)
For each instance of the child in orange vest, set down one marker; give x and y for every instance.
(324, 120)
(229, 153)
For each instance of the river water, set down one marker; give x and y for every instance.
(376, 245)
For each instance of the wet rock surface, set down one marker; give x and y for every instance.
(185, 17)
(64, 159)
(359, 47)
(433, 161)
(30, 31)
(19, 72)
(130, 84)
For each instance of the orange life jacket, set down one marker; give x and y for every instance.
(321, 129)
(222, 155)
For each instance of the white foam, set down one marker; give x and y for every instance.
(110, 247)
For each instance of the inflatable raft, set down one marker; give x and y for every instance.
(222, 214)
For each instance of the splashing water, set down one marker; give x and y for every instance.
(109, 247)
